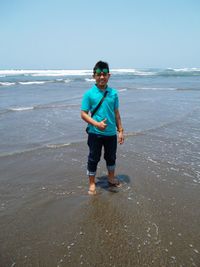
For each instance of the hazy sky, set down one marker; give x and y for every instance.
(74, 34)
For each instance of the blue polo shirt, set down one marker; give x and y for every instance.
(106, 111)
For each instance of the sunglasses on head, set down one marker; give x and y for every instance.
(99, 71)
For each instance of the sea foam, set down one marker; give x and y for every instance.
(33, 82)
(6, 83)
(21, 108)
(86, 72)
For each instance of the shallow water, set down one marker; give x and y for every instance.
(38, 109)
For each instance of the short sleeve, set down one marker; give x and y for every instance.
(85, 102)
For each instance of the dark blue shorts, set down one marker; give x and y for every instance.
(95, 143)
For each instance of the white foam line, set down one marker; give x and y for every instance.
(21, 108)
(45, 72)
(6, 83)
(34, 82)
(122, 90)
(58, 145)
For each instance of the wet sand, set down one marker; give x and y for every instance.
(47, 219)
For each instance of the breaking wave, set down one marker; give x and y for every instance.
(136, 72)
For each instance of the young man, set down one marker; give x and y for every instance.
(102, 125)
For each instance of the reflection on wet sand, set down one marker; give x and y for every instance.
(49, 220)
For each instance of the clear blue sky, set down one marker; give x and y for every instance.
(74, 34)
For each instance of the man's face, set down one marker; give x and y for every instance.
(101, 77)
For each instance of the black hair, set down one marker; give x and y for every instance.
(101, 65)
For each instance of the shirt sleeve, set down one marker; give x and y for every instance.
(85, 102)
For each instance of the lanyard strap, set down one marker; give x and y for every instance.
(97, 107)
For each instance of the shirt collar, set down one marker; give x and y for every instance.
(106, 89)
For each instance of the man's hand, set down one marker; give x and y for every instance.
(102, 125)
(121, 138)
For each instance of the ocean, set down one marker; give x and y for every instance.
(46, 215)
(41, 108)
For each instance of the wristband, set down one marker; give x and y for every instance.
(120, 129)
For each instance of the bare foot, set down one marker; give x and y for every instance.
(114, 182)
(92, 190)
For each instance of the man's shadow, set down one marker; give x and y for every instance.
(103, 182)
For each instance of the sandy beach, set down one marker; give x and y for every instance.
(47, 218)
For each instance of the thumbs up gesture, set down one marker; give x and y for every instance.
(102, 125)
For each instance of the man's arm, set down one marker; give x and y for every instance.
(86, 117)
(119, 127)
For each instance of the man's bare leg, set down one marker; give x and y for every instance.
(111, 178)
(92, 186)
(111, 175)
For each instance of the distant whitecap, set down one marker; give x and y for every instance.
(89, 80)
